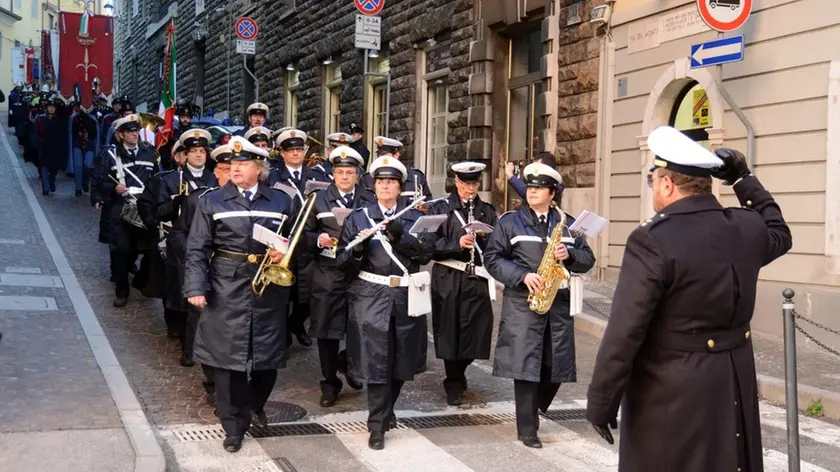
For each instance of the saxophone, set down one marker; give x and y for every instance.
(554, 273)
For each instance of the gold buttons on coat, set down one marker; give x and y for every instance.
(749, 203)
(252, 258)
(747, 335)
(710, 343)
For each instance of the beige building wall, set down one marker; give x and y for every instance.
(782, 86)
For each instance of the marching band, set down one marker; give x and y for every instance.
(349, 257)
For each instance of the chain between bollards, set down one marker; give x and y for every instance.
(791, 397)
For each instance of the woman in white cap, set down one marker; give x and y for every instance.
(461, 306)
(536, 351)
(385, 346)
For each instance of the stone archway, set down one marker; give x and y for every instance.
(661, 102)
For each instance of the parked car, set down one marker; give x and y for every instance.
(215, 128)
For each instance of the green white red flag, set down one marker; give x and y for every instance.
(168, 92)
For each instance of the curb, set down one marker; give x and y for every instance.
(148, 455)
(769, 388)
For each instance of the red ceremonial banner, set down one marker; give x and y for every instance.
(86, 52)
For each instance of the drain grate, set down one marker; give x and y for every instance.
(348, 427)
(282, 412)
(566, 415)
(289, 429)
(448, 421)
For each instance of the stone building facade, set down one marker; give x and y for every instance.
(486, 80)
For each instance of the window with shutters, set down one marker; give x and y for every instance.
(292, 86)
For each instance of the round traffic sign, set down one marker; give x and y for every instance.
(369, 7)
(724, 15)
(246, 28)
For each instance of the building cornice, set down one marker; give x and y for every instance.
(8, 17)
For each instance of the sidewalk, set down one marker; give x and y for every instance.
(65, 404)
(818, 372)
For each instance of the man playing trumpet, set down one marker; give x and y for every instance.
(328, 299)
(240, 335)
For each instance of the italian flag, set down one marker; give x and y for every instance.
(166, 110)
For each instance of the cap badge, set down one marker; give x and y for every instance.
(342, 139)
(292, 134)
(384, 161)
(197, 134)
(237, 147)
(379, 142)
(343, 154)
(536, 171)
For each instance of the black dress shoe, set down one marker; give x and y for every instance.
(532, 442)
(376, 441)
(353, 382)
(85, 188)
(45, 192)
(120, 302)
(187, 361)
(211, 399)
(52, 188)
(303, 338)
(392, 423)
(78, 193)
(259, 419)
(454, 399)
(328, 399)
(233, 443)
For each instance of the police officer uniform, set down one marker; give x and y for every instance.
(258, 135)
(328, 298)
(334, 140)
(132, 167)
(260, 109)
(462, 313)
(274, 157)
(385, 346)
(677, 352)
(295, 178)
(240, 334)
(184, 111)
(537, 351)
(175, 186)
(415, 183)
(359, 144)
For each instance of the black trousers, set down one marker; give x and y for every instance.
(121, 262)
(531, 396)
(381, 398)
(176, 321)
(236, 397)
(455, 382)
(189, 328)
(330, 362)
(299, 314)
(209, 382)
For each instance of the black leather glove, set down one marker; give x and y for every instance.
(604, 432)
(734, 166)
(394, 231)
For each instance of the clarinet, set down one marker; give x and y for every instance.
(470, 269)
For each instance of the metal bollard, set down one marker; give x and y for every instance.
(791, 398)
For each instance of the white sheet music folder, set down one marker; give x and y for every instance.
(428, 224)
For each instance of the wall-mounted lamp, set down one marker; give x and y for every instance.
(373, 53)
(290, 67)
(327, 61)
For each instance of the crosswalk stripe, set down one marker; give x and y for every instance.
(405, 450)
(819, 431)
(210, 456)
(571, 452)
(775, 461)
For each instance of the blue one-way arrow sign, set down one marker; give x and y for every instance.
(719, 51)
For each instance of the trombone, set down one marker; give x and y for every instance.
(279, 273)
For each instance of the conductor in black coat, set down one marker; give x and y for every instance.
(328, 299)
(677, 354)
(462, 313)
(240, 334)
(536, 350)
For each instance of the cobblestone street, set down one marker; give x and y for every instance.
(50, 381)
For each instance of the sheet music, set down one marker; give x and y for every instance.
(589, 224)
(314, 185)
(290, 190)
(341, 214)
(270, 238)
(428, 224)
(478, 226)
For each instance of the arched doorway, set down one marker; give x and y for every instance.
(671, 102)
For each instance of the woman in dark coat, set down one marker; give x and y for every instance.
(385, 346)
(51, 129)
(537, 351)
